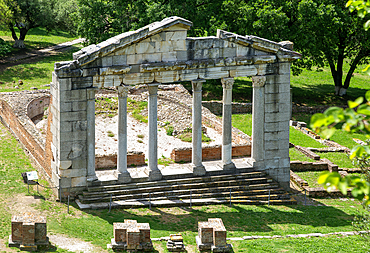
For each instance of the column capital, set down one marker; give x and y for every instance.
(197, 84)
(123, 90)
(258, 81)
(153, 88)
(227, 83)
(90, 93)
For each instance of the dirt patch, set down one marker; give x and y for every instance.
(4, 248)
(73, 244)
(20, 203)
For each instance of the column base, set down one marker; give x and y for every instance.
(199, 170)
(91, 178)
(229, 166)
(124, 177)
(155, 175)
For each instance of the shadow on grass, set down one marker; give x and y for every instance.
(323, 94)
(34, 68)
(237, 218)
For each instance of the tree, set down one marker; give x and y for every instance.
(28, 14)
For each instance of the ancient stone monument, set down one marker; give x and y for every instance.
(212, 236)
(28, 232)
(161, 53)
(131, 235)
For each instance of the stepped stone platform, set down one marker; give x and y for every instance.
(179, 187)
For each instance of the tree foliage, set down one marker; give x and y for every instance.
(24, 15)
(323, 30)
(356, 118)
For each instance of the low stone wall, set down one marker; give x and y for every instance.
(237, 108)
(209, 153)
(313, 192)
(308, 166)
(16, 119)
(307, 152)
(136, 158)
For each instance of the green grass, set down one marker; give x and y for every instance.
(37, 38)
(33, 74)
(243, 122)
(96, 226)
(311, 177)
(340, 159)
(298, 138)
(322, 244)
(346, 139)
(295, 155)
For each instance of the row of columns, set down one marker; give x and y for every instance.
(154, 173)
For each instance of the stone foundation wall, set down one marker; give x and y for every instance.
(237, 108)
(21, 132)
(209, 153)
(136, 158)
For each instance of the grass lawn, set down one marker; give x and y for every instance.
(33, 74)
(295, 155)
(96, 226)
(38, 38)
(346, 139)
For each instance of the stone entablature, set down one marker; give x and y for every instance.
(161, 53)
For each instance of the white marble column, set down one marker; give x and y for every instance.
(122, 174)
(258, 119)
(196, 157)
(154, 172)
(227, 85)
(91, 176)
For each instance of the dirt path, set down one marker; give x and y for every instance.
(28, 56)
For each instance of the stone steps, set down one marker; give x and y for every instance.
(181, 202)
(183, 181)
(185, 193)
(247, 187)
(244, 183)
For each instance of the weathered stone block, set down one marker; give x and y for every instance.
(119, 231)
(177, 35)
(228, 52)
(205, 232)
(169, 56)
(107, 61)
(248, 70)
(28, 233)
(138, 78)
(167, 76)
(188, 75)
(73, 116)
(79, 181)
(73, 173)
(17, 229)
(284, 68)
(72, 95)
(213, 73)
(119, 60)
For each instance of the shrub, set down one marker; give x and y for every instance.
(5, 48)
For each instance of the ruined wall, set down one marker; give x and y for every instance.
(25, 131)
(209, 153)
